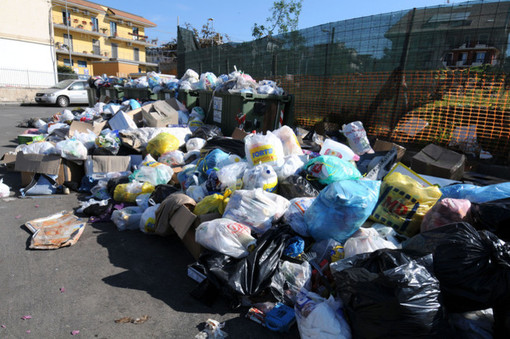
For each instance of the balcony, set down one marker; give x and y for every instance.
(134, 39)
(78, 28)
(93, 54)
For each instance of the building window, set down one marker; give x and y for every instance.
(136, 54)
(82, 63)
(95, 24)
(66, 18)
(113, 28)
(68, 41)
(67, 62)
(480, 57)
(135, 33)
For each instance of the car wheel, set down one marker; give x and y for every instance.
(63, 101)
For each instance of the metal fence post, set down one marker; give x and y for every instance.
(28, 78)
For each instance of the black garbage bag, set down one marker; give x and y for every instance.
(472, 266)
(96, 210)
(251, 275)
(227, 145)
(162, 191)
(388, 294)
(493, 216)
(296, 186)
(112, 183)
(207, 132)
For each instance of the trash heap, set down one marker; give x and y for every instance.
(338, 237)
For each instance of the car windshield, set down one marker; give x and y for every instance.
(63, 84)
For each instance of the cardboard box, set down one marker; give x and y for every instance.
(239, 134)
(107, 163)
(440, 162)
(184, 223)
(384, 146)
(121, 121)
(8, 159)
(29, 138)
(29, 164)
(161, 113)
(84, 126)
(136, 115)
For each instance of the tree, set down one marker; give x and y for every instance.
(64, 69)
(284, 18)
(207, 36)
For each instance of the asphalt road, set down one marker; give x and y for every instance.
(106, 275)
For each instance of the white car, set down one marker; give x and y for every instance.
(66, 92)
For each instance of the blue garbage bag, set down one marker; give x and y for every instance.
(477, 194)
(341, 208)
(328, 168)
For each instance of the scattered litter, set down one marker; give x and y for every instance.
(18, 216)
(36, 206)
(25, 317)
(212, 330)
(126, 320)
(3, 326)
(62, 290)
(55, 231)
(75, 332)
(28, 331)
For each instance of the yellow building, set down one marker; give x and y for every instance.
(94, 39)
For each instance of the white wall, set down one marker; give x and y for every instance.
(27, 57)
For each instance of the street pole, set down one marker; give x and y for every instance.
(68, 19)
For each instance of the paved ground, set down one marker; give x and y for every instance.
(107, 275)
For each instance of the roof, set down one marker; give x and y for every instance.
(126, 15)
(87, 4)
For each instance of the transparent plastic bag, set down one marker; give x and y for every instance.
(295, 215)
(225, 236)
(172, 158)
(148, 219)
(231, 176)
(264, 149)
(289, 141)
(291, 165)
(109, 141)
(195, 144)
(260, 176)
(161, 144)
(4, 189)
(152, 171)
(43, 147)
(327, 169)
(256, 208)
(71, 149)
(88, 139)
(445, 211)
(357, 137)
(293, 277)
(337, 149)
(196, 192)
(365, 240)
(127, 218)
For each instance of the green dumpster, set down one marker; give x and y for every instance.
(188, 98)
(114, 93)
(259, 112)
(92, 96)
(141, 94)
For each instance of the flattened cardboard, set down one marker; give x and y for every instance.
(37, 163)
(107, 163)
(239, 134)
(8, 159)
(160, 114)
(384, 146)
(440, 162)
(83, 126)
(121, 121)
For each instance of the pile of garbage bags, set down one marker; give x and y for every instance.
(299, 231)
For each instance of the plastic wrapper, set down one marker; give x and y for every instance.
(290, 166)
(172, 158)
(4, 189)
(295, 215)
(231, 176)
(260, 176)
(152, 171)
(327, 169)
(127, 218)
(212, 203)
(71, 149)
(225, 236)
(318, 317)
(477, 194)
(296, 186)
(43, 147)
(252, 274)
(337, 149)
(129, 192)
(357, 137)
(403, 203)
(264, 149)
(161, 144)
(195, 144)
(256, 208)
(365, 240)
(88, 139)
(341, 208)
(289, 141)
(445, 211)
(148, 220)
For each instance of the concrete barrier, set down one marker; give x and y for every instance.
(17, 95)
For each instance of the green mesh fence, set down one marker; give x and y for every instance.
(435, 74)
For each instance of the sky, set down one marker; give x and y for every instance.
(236, 18)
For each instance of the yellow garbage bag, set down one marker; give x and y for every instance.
(213, 203)
(162, 143)
(129, 192)
(403, 203)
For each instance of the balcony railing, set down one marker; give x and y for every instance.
(79, 28)
(134, 39)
